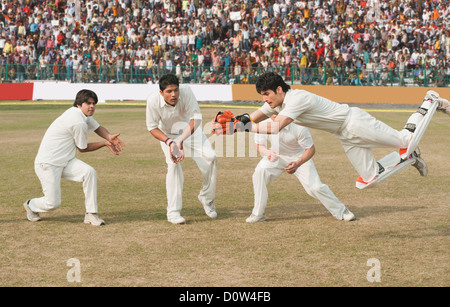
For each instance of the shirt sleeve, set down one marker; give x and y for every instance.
(261, 139)
(296, 102)
(80, 135)
(92, 124)
(304, 137)
(267, 110)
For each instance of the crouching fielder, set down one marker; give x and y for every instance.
(291, 152)
(56, 158)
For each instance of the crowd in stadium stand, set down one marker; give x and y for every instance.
(136, 40)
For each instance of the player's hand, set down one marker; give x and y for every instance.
(176, 154)
(116, 142)
(292, 167)
(112, 147)
(273, 156)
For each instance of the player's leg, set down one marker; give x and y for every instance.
(310, 180)
(79, 171)
(364, 132)
(265, 173)
(417, 124)
(50, 178)
(174, 188)
(206, 159)
(363, 162)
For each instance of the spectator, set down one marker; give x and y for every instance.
(351, 29)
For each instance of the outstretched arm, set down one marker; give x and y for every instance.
(113, 142)
(98, 145)
(273, 127)
(112, 138)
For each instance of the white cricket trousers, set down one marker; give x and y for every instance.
(267, 171)
(360, 133)
(50, 177)
(199, 148)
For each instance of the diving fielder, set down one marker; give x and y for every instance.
(357, 130)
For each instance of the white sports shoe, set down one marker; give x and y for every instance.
(31, 215)
(177, 220)
(93, 219)
(348, 216)
(420, 164)
(254, 219)
(210, 210)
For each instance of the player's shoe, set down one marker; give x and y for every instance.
(254, 219)
(31, 215)
(348, 216)
(420, 164)
(210, 210)
(93, 219)
(177, 220)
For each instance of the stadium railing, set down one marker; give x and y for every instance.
(110, 73)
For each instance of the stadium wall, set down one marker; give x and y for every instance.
(56, 91)
(352, 94)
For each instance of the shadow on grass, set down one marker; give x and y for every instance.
(274, 213)
(361, 212)
(417, 233)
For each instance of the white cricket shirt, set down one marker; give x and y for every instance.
(65, 134)
(172, 119)
(290, 142)
(310, 110)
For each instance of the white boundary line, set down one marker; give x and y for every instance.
(224, 106)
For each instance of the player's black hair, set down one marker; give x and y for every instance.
(271, 81)
(168, 79)
(83, 96)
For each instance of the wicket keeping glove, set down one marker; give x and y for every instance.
(226, 123)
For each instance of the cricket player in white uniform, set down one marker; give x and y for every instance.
(357, 130)
(56, 158)
(291, 152)
(173, 116)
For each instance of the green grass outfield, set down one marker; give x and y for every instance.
(403, 222)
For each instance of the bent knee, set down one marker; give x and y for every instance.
(52, 204)
(91, 172)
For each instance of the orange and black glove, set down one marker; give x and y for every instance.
(226, 123)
